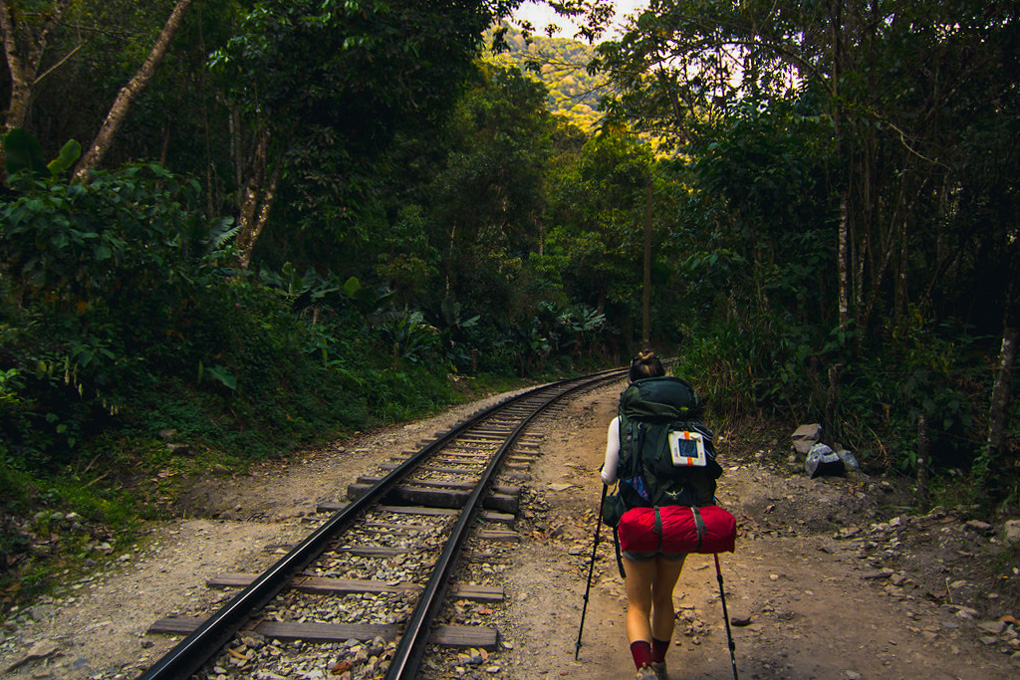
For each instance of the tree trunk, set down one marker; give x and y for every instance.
(923, 459)
(257, 203)
(831, 407)
(1002, 391)
(237, 151)
(678, 110)
(843, 256)
(843, 266)
(451, 252)
(646, 294)
(22, 69)
(129, 93)
(879, 268)
(24, 54)
(901, 243)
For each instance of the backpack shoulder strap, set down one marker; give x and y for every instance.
(630, 469)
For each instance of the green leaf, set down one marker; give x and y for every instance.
(24, 152)
(352, 286)
(222, 376)
(69, 155)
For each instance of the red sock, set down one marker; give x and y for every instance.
(642, 653)
(659, 649)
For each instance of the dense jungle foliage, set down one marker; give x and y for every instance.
(310, 218)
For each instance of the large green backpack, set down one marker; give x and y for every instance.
(651, 409)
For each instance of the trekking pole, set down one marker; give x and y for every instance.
(619, 557)
(726, 618)
(591, 568)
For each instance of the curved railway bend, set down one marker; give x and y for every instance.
(369, 575)
(807, 549)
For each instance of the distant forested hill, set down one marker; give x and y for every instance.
(561, 64)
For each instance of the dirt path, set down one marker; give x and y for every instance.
(827, 585)
(816, 606)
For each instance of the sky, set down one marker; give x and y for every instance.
(541, 15)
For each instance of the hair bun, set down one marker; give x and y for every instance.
(646, 365)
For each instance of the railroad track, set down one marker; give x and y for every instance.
(370, 589)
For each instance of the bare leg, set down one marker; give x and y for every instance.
(663, 615)
(639, 598)
(650, 598)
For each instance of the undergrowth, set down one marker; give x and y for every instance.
(133, 357)
(751, 372)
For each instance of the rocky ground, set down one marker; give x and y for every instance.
(832, 578)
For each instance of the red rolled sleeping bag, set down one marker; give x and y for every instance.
(677, 529)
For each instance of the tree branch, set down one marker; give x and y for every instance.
(129, 93)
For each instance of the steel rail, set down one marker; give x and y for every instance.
(194, 651)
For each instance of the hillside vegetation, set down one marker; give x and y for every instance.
(561, 64)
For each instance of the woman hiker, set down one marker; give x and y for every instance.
(651, 575)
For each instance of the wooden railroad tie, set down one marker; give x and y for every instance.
(448, 636)
(483, 438)
(396, 529)
(470, 456)
(501, 434)
(423, 510)
(435, 468)
(512, 468)
(344, 586)
(441, 494)
(441, 485)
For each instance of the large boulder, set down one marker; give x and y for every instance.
(1013, 531)
(805, 437)
(821, 460)
(849, 460)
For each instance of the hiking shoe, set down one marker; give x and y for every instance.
(660, 670)
(646, 673)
